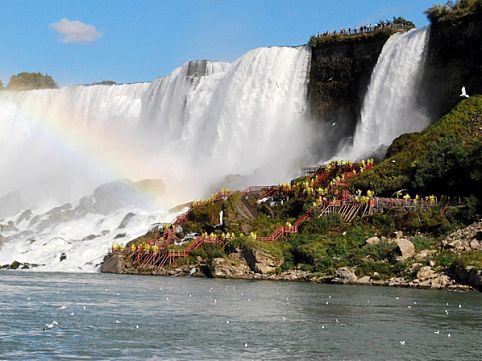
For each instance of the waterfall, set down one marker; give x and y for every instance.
(390, 107)
(204, 121)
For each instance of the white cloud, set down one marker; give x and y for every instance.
(74, 31)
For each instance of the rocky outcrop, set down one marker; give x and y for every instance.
(113, 263)
(465, 239)
(232, 266)
(260, 261)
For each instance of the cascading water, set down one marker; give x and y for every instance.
(390, 106)
(204, 121)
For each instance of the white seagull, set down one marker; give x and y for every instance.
(464, 93)
(48, 326)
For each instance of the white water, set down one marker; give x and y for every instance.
(204, 121)
(390, 105)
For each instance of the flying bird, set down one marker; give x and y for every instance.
(464, 93)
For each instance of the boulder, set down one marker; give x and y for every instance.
(397, 234)
(113, 263)
(372, 241)
(474, 244)
(404, 248)
(15, 265)
(344, 275)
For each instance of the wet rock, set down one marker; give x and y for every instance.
(405, 249)
(125, 221)
(90, 237)
(372, 241)
(344, 275)
(113, 263)
(25, 216)
(15, 265)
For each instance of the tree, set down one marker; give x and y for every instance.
(404, 22)
(1, 85)
(29, 81)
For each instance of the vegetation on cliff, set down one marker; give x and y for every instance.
(452, 11)
(445, 159)
(30, 81)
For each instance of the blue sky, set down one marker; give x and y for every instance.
(132, 41)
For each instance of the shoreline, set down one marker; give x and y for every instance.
(302, 277)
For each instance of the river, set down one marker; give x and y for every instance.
(119, 317)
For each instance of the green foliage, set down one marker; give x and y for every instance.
(404, 22)
(445, 159)
(452, 11)
(469, 258)
(29, 81)
(422, 242)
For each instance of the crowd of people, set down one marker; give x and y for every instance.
(368, 28)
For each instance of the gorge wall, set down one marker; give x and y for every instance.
(339, 77)
(453, 60)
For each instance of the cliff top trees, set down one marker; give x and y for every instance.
(453, 10)
(29, 81)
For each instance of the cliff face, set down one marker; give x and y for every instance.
(454, 59)
(339, 77)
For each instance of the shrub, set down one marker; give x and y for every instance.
(29, 81)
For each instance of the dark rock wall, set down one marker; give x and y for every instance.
(339, 77)
(454, 59)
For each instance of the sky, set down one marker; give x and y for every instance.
(85, 41)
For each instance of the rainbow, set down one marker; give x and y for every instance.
(112, 152)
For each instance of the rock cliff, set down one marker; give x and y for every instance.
(339, 77)
(453, 60)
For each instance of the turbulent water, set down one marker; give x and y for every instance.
(391, 106)
(200, 319)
